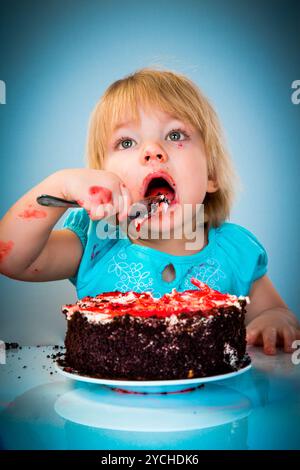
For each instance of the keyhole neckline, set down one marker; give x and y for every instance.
(173, 272)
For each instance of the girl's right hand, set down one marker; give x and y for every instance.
(101, 193)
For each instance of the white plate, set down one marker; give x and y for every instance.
(151, 386)
(99, 406)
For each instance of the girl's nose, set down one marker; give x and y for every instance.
(154, 153)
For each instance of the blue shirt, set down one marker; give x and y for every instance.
(231, 261)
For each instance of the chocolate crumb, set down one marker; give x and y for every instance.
(11, 345)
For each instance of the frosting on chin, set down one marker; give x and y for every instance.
(104, 307)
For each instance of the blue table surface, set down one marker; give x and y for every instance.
(41, 409)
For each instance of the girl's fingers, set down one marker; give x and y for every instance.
(125, 202)
(109, 210)
(252, 335)
(288, 337)
(269, 340)
(99, 211)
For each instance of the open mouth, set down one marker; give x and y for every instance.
(158, 193)
(159, 185)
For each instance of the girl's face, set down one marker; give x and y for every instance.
(160, 143)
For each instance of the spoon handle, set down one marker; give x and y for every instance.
(53, 201)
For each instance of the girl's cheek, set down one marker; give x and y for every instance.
(180, 145)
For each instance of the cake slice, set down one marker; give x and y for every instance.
(135, 336)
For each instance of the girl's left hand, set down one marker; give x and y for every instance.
(274, 327)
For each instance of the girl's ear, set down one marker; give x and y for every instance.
(212, 186)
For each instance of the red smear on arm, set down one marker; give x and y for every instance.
(33, 213)
(80, 202)
(100, 195)
(5, 249)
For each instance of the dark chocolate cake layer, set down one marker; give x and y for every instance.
(164, 345)
(128, 348)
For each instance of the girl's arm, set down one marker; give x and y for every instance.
(25, 230)
(59, 259)
(29, 248)
(269, 320)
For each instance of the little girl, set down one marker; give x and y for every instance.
(152, 132)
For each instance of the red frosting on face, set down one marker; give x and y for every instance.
(145, 305)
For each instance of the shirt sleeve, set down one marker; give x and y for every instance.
(244, 252)
(78, 221)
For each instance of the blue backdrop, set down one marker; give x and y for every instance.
(58, 57)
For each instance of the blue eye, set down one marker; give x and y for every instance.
(174, 133)
(122, 140)
(178, 131)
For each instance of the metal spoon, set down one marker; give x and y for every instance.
(141, 209)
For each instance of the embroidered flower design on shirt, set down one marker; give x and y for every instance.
(132, 276)
(209, 272)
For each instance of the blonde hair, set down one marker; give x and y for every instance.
(172, 93)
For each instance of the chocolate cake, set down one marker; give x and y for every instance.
(135, 336)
